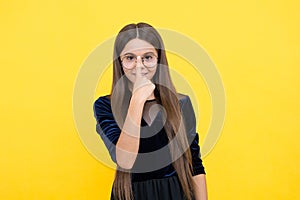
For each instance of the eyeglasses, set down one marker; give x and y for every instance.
(149, 60)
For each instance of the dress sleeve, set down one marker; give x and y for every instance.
(106, 125)
(192, 135)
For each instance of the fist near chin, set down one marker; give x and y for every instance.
(143, 89)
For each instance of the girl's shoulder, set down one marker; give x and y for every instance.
(104, 99)
(183, 98)
(102, 103)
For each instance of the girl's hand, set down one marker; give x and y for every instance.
(142, 88)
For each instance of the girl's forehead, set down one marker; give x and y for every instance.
(138, 46)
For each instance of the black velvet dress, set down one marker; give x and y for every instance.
(153, 175)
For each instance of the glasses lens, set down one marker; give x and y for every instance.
(128, 61)
(150, 60)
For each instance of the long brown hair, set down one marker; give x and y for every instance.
(165, 94)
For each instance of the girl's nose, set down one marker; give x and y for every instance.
(139, 61)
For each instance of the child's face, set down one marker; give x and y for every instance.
(139, 49)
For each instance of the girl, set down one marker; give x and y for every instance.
(149, 128)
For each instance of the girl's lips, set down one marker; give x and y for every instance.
(143, 74)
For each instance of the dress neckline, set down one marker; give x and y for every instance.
(150, 100)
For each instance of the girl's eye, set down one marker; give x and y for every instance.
(129, 57)
(148, 57)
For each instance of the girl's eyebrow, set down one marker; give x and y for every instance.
(143, 54)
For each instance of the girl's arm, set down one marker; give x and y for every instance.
(200, 187)
(128, 144)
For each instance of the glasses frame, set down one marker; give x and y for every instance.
(142, 57)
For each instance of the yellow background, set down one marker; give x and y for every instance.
(255, 45)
